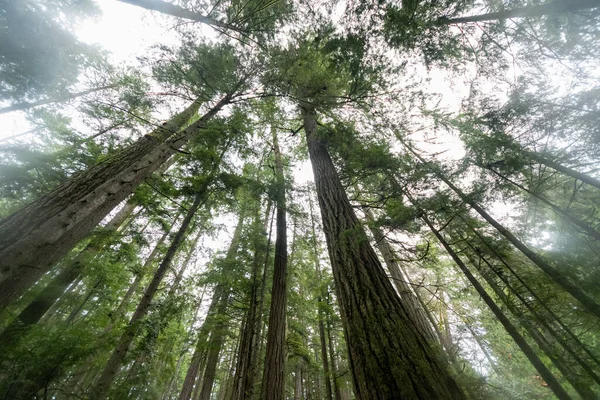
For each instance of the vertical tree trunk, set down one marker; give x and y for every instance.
(211, 323)
(200, 348)
(389, 357)
(244, 379)
(273, 387)
(217, 337)
(33, 239)
(334, 369)
(544, 372)
(320, 305)
(112, 367)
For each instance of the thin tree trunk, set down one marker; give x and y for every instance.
(200, 348)
(320, 305)
(581, 388)
(217, 337)
(258, 338)
(33, 239)
(60, 99)
(510, 328)
(334, 369)
(112, 367)
(563, 213)
(243, 380)
(211, 324)
(298, 382)
(389, 357)
(273, 387)
(589, 303)
(176, 11)
(531, 292)
(548, 8)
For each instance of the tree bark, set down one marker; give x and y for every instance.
(244, 379)
(510, 328)
(273, 386)
(389, 357)
(320, 305)
(217, 338)
(33, 239)
(549, 8)
(410, 303)
(32, 314)
(112, 367)
(200, 348)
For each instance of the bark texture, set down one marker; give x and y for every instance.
(389, 357)
(274, 374)
(33, 239)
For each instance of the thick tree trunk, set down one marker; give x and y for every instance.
(57, 286)
(548, 8)
(60, 99)
(410, 303)
(114, 364)
(510, 328)
(588, 302)
(389, 357)
(33, 239)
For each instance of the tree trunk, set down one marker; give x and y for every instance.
(57, 286)
(200, 349)
(33, 239)
(243, 379)
(563, 213)
(510, 328)
(549, 8)
(273, 386)
(334, 370)
(211, 323)
(389, 357)
(528, 323)
(60, 99)
(410, 303)
(176, 11)
(589, 303)
(320, 305)
(112, 367)
(217, 337)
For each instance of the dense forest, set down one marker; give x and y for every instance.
(300, 199)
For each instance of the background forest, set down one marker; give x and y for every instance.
(299, 199)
